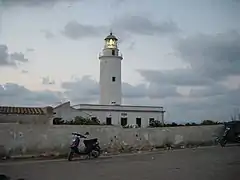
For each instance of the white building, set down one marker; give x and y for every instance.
(110, 109)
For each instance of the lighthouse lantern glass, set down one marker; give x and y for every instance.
(111, 43)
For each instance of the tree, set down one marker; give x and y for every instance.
(208, 122)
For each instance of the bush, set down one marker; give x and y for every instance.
(155, 123)
(209, 122)
(58, 121)
(78, 120)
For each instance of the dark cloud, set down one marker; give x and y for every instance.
(82, 90)
(156, 91)
(35, 2)
(216, 56)
(124, 27)
(75, 30)
(207, 91)
(18, 57)
(87, 89)
(47, 81)
(144, 26)
(17, 95)
(200, 105)
(10, 59)
(178, 77)
(48, 34)
(30, 50)
(212, 58)
(24, 71)
(130, 91)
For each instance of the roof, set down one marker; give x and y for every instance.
(111, 36)
(110, 105)
(21, 110)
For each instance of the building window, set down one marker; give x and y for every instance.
(139, 122)
(93, 118)
(113, 52)
(109, 121)
(151, 120)
(123, 121)
(113, 79)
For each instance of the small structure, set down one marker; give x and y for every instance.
(26, 115)
(110, 110)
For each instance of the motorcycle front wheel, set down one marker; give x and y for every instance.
(95, 154)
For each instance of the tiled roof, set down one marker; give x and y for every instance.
(21, 110)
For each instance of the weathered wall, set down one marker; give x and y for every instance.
(25, 119)
(36, 139)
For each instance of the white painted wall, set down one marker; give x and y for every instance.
(117, 112)
(131, 116)
(66, 112)
(110, 66)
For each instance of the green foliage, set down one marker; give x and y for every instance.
(209, 122)
(58, 121)
(78, 120)
(174, 124)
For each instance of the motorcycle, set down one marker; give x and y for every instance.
(231, 133)
(92, 147)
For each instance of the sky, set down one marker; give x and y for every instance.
(182, 55)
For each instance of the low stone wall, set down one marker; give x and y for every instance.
(38, 139)
(25, 119)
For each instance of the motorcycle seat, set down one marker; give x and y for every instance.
(90, 141)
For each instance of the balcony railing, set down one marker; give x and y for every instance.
(110, 55)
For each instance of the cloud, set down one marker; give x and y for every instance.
(75, 30)
(207, 91)
(212, 58)
(216, 56)
(82, 90)
(144, 26)
(10, 59)
(200, 105)
(178, 77)
(24, 71)
(48, 34)
(124, 27)
(87, 90)
(30, 50)
(17, 95)
(33, 3)
(47, 81)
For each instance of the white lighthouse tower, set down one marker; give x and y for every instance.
(110, 72)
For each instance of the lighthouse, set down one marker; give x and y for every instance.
(110, 72)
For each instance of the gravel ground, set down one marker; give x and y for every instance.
(203, 163)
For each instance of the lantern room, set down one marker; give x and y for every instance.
(111, 41)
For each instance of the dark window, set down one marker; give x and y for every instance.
(113, 52)
(93, 118)
(109, 121)
(139, 122)
(151, 120)
(113, 79)
(123, 121)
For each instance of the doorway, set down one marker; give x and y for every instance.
(139, 122)
(109, 121)
(123, 121)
